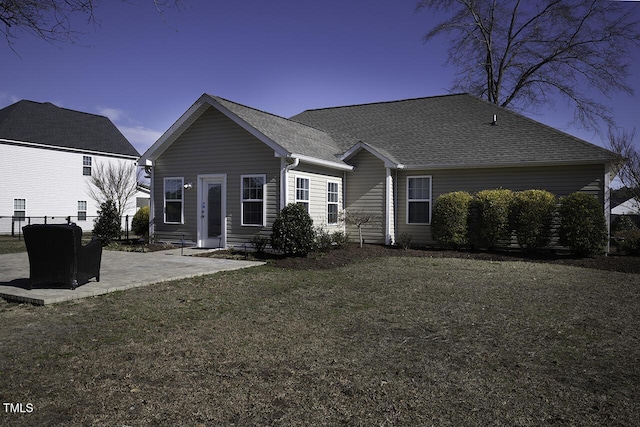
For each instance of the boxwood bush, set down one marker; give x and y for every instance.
(532, 217)
(292, 231)
(490, 217)
(140, 222)
(582, 224)
(449, 225)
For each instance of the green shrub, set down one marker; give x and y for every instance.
(582, 224)
(532, 217)
(629, 241)
(107, 226)
(339, 238)
(491, 219)
(449, 226)
(622, 223)
(292, 231)
(259, 243)
(140, 222)
(324, 241)
(404, 240)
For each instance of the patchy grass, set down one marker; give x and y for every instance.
(11, 244)
(382, 341)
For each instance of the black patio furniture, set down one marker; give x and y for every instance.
(57, 255)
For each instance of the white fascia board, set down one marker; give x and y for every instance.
(277, 148)
(171, 134)
(503, 165)
(67, 149)
(388, 163)
(320, 162)
(191, 115)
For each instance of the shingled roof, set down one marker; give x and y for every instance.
(453, 131)
(45, 123)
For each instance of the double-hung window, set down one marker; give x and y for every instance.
(332, 202)
(82, 210)
(86, 165)
(173, 200)
(302, 192)
(419, 200)
(252, 204)
(19, 209)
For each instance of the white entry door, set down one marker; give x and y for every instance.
(212, 226)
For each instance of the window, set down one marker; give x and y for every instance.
(302, 192)
(86, 165)
(332, 202)
(252, 203)
(419, 200)
(173, 200)
(82, 210)
(19, 209)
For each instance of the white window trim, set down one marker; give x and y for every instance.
(419, 200)
(164, 196)
(82, 210)
(337, 203)
(88, 165)
(307, 201)
(264, 199)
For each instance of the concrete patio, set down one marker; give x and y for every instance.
(119, 271)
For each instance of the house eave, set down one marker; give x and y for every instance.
(388, 163)
(321, 162)
(66, 149)
(441, 166)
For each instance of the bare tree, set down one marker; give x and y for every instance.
(115, 181)
(622, 143)
(521, 54)
(360, 219)
(51, 20)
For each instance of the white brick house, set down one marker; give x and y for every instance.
(47, 154)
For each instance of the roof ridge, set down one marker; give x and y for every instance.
(387, 102)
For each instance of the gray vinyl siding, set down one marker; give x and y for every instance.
(318, 177)
(214, 144)
(366, 192)
(559, 180)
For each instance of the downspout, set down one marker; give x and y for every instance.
(284, 179)
(152, 212)
(607, 203)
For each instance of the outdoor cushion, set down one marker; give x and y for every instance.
(56, 255)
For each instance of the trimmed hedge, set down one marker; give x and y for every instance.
(449, 226)
(532, 217)
(582, 224)
(490, 219)
(292, 231)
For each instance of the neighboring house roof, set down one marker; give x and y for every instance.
(454, 130)
(436, 132)
(45, 123)
(629, 207)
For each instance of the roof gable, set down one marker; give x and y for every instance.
(286, 137)
(47, 124)
(454, 131)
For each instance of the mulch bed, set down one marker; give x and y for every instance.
(352, 252)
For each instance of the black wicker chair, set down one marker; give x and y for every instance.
(56, 255)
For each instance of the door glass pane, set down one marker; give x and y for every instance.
(214, 213)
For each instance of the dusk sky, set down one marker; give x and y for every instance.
(143, 69)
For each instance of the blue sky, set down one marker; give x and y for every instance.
(143, 69)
